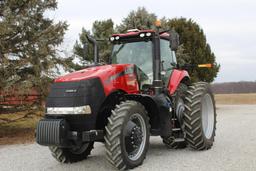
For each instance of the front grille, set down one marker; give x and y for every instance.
(73, 94)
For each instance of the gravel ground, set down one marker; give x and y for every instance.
(234, 149)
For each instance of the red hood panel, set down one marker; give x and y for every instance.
(98, 71)
(113, 77)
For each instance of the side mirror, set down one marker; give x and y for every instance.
(174, 40)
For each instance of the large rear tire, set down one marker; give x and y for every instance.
(71, 155)
(127, 135)
(200, 116)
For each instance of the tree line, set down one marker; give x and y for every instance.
(30, 52)
(234, 87)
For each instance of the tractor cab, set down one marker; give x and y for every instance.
(139, 47)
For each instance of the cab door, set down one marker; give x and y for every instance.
(168, 60)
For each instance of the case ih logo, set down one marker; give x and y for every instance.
(71, 91)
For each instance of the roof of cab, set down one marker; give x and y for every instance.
(137, 32)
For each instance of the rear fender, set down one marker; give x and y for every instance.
(176, 78)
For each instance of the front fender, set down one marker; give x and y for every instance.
(150, 105)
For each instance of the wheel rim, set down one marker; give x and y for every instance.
(135, 136)
(80, 149)
(207, 116)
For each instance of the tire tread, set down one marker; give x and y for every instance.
(114, 127)
(192, 117)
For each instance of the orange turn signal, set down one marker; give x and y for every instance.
(158, 23)
(205, 66)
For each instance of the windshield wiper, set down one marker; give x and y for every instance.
(118, 50)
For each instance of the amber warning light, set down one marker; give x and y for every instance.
(158, 23)
(205, 65)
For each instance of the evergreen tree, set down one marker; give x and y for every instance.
(101, 31)
(84, 55)
(196, 47)
(140, 19)
(28, 42)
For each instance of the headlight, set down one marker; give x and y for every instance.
(117, 38)
(148, 34)
(69, 110)
(142, 35)
(112, 39)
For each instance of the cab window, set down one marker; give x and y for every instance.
(167, 56)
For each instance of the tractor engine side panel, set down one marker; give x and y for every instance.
(176, 77)
(125, 80)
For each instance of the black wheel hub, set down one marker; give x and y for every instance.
(180, 107)
(133, 138)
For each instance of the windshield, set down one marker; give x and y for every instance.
(138, 53)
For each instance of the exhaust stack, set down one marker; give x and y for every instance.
(95, 48)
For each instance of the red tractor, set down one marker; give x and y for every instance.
(141, 92)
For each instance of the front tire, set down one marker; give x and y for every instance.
(200, 116)
(127, 135)
(68, 155)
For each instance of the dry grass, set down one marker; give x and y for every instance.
(15, 128)
(235, 99)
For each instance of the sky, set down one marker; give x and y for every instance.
(229, 26)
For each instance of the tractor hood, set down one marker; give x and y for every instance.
(113, 77)
(103, 72)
